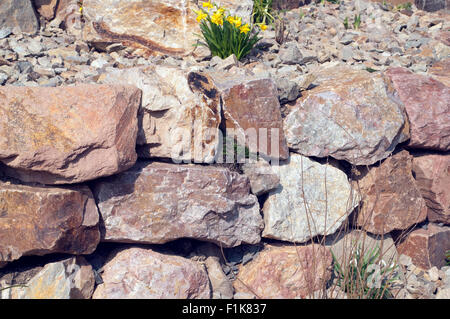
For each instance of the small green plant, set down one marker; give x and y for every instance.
(301, 14)
(346, 23)
(364, 275)
(262, 12)
(403, 6)
(225, 34)
(447, 257)
(357, 22)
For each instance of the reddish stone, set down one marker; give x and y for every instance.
(39, 220)
(250, 105)
(432, 173)
(67, 135)
(427, 103)
(145, 274)
(391, 199)
(427, 247)
(159, 202)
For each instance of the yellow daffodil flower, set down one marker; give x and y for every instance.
(220, 11)
(200, 15)
(208, 5)
(245, 28)
(217, 18)
(237, 22)
(263, 26)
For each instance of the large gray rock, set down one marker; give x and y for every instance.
(350, 116)
(313, 199)
(18, 14)
(145, 274)
(159, 202)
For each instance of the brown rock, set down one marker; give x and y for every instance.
(432, 173)
(427, 103)
(46, 8)
(285, 272)
(145, 274)
(67, 134)
(391, 199)
(251, 108)
(39, 220)
(427, 247)
(159, 202)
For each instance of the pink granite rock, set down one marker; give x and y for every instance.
(67, 135)
(427, 103)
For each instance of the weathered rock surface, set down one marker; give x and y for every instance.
(344, 246)
(72, 278)
(67, 134)
(432, 174)
(391, 199)
(427, 246)
(18, 14)
(180, 113)
(285, 272)
(252, 110)
(261, 175)
(145, 274)
(313, 199)
(161, 27)
(38, 220)
(427, 103)
(159, 202)
(356, 121)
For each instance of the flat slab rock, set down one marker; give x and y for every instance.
(391, 198)
(145, 274)
(71, 278)
(356, 120)
(159, 202)
(285, 272)
(427, 103)
(427, 246)
(312, 199)
(39, 220)
(67, 135)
